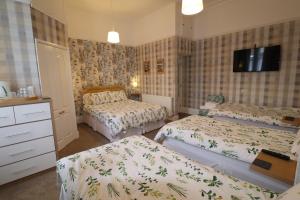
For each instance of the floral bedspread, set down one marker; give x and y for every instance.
(137, 168)
(264, 114)
(121, 115)
(230, 139)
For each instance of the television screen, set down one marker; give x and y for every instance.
(257, 59)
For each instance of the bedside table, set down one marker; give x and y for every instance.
(135, 97)
(282, 170)
(291, 120)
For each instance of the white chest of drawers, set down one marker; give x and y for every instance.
(27, 143)
(7, 116)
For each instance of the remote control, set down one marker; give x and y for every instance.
(263, 164)
(275, 154)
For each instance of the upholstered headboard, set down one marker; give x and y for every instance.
(102, 89)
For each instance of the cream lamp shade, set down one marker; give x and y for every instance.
(113, 37)
(191, 7)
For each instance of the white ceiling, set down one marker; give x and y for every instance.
(127, 9)
(121, 8)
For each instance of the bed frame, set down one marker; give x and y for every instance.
(102, 89)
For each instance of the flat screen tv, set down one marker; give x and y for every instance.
(257, 59)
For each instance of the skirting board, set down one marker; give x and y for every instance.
(191, 111)
(62, 143)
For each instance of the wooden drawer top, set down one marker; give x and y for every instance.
(23, 101)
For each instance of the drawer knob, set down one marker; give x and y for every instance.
(34, 113)
(18, 134)
(22, 152)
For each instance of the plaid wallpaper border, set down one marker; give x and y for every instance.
(210, 69)
(48, 29)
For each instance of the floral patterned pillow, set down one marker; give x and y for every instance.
(87, 99)
(100, 98)
(118, 96)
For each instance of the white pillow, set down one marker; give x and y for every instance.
(209, 105)
(291, 194)
(117, 96)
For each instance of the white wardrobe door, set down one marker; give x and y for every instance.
(51, 78)
(67, 121)
(56, 82)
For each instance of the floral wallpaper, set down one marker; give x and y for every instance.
(98, 63)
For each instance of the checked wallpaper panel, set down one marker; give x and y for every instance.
(210, 70)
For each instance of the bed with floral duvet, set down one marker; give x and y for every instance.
(120, 115)
(114, 116)
(227, 138)
(136, 168)
(268, 115)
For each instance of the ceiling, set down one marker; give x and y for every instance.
(125, 8)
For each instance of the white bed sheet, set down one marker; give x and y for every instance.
(234, 167)
(101, 128)
(258, 124)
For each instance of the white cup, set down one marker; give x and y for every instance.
(30, 91)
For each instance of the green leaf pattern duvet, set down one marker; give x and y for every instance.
(230, 139)
(121, 115)
(137, 168)
(268, 115)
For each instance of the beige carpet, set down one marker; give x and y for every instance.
(43, 186)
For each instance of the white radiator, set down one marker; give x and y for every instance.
(167, 102)
(297, 177)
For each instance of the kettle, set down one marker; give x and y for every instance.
(4, 90)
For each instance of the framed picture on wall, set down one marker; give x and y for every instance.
(160, 66)
(146, 67)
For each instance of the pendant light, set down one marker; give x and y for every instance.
(113, 36)
(191, 7)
